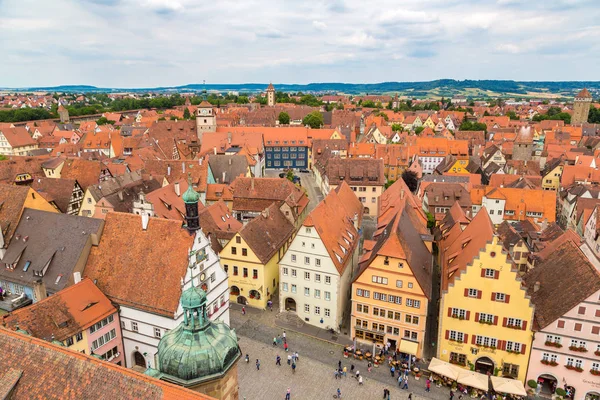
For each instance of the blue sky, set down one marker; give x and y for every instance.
(145, 43)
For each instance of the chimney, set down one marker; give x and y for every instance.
(215, 150)
(39, 289)
(76, 277)
(145, 220)
(265, 213)
(229, 137)
(200, 161)
(224, 174)
(94, 239)
(183, 167)
(120, 194)
(402, 194)
(536, 286)
(251, 183)
(169, 170)
(177, 190)
(355, 219)
(229, 160)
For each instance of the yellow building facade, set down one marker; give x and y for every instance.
(551, 180)
(35, 201)
(485, 315)
(460, 167)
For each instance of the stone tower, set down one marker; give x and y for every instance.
(206, 121)
(271, 95)
(581, 107)
(199, 354)
(63, 113)
(190, 199)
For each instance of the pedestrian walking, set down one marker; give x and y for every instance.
(247, 358)
(385, 392)
(428, 385)
(352, 368)
(336, 373)
(360, 380)
(278, 360)
(289, 359)
(288, 394)
(285, 346)
(369, 366)
(392, 371)
(400, 381)
(270, 305)
(257, 365)
(451, 394)
(243, 310)
(357, 374)
(405, 385)
(283, 335)
(296, 355)
(274, 341)
(294, 367)
(339, 393)
(339, 364)
(410, 396)
(345, 370)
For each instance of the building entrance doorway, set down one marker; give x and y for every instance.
(548, 384)
(290, 304)
(484, 365)
(139, 360)
(242, 300)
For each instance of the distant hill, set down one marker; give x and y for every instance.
(441, 87)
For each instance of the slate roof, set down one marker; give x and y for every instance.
(128, 260)
(113, 185)
(228, 166)
(122, 200)
(57, 242)
(63, 314)
(566, 279)
(54, 372)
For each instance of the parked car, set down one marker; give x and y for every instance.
(282, 174)
(304, 171)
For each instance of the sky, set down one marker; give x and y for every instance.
(149, 43)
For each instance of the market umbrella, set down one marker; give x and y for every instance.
(509, 386)
(473, 379)
(444, 368)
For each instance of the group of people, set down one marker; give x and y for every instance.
(343, 371)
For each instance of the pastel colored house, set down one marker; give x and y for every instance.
(565, 288)
(79, 317)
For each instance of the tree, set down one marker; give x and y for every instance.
(314, 120)
(397, 128)
(594, 116)
(512, 115)
(430, 220)
(383, 115)
(284, 118)
(419, 129)
(472, 126)
(186, 113)
(290, 175)
(389, 183)
(102, 121)
(411, 180)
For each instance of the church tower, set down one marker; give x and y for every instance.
(191, 199)
(206, 121)
(271, 95)
(581, 107)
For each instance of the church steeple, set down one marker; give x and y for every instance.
(191, 198)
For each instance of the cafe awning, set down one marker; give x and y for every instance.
(408, 347)
(444, 368)
(508, 386)
(473, 379)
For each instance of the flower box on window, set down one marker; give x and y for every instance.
(577, 348)
(514, 327)
(594, 372)
(553, 344)
(597, 353)
(574, 368)
(550, 363)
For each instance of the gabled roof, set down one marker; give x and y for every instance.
(12, 203)
(85, 172)
(566, 278)
(63, 314)
(128, 260)
(401, 239)
(267, 233)
(49, 371)
(584, 94)
(57, 190)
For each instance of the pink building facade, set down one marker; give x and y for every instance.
(105, 339)
(567, 352)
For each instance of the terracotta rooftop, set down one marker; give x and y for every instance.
(18, 137)
(12, 201)
(85, 172)
(355, 171)
(566, 279)
(584, 94)
(63, 314)
(57, 190)
(129, 258)
(48, 371)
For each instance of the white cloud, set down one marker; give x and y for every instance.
(133, 43)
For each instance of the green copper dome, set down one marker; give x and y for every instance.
(194, 297)
(198, 349)
(190, 196)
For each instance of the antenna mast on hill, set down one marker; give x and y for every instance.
(204, 90)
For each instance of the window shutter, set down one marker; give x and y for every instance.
(493, 296)
(466, 292)
(502, 344)
(479, 294)
(524, 325)
(507, 297)
(560, 324)
(523, 348)
(473, 339)
(504, 321)
(449, 311)
(466, 338)
(595, 330)
(468, 315)
(496, 274)
(447, 334)
(482, 273)
(495, 320)
(476, 317)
